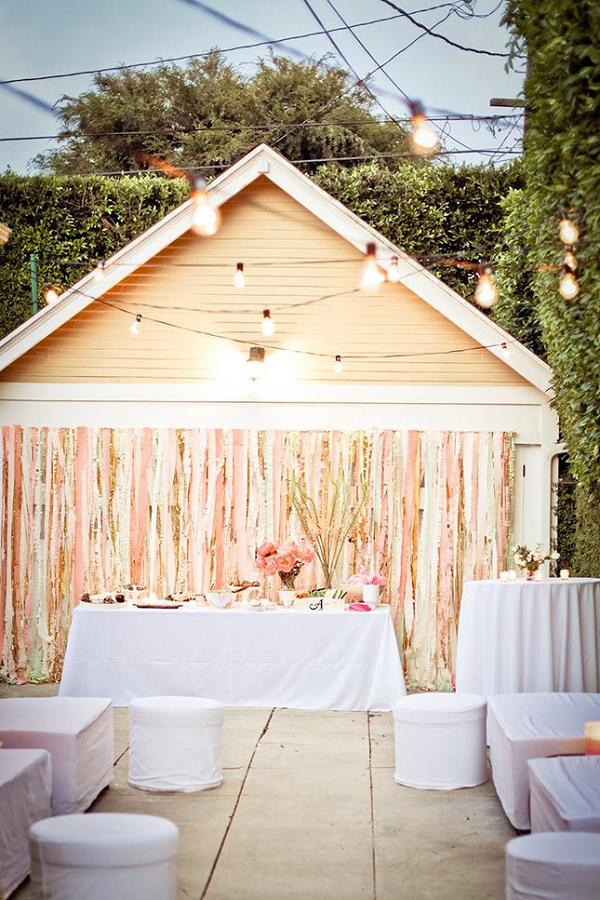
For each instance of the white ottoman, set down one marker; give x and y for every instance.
(78, 734)
(564, 793)
(440, 741)
(103, 855)
(556, 866)
(25, 785)
(175, 743)
(528, 726)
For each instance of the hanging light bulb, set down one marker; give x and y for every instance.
(570, 260)
(99, 271)
(568, 231)
(255, 362)
(371, 276)
(393, 272)
(568, 286)
(5, 233)
(135, 326)
(206, 219)
(486, 292)
(268, 325)
(50, 293)
(338, 365)
(504, 350)
(423, 138)
(239, 279)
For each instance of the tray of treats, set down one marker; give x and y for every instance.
(103, 598)
(166, 605)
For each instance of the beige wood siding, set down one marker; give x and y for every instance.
(193, 278)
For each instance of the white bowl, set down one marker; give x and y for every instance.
(220, 599)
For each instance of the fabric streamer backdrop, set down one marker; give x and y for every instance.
(91, 509)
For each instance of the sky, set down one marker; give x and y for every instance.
(43, 37)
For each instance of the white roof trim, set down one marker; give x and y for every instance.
(265, 161)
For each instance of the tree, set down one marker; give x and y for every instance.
(207, 114)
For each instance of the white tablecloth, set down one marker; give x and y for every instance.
(520, 636)
(300, 659)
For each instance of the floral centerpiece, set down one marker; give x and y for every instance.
(371, 583)
(285, 560)
(531, 560)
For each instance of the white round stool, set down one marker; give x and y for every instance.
(440, 741)
(100, 855)
(175, 743)
(562, 865)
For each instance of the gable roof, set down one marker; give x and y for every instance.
(264, 161)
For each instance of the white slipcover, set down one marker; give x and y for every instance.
(564, 793)
(553, 867)
(440, 741)
(526, 726)
(175, 743)
(104, 856)
(78, 734)
(25, 785)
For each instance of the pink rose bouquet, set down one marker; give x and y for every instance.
(367, 578)
(285, 560)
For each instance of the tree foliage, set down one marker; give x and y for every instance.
(207, 114)
(562, 171)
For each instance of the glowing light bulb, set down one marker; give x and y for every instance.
(423, 138)
(239, 279)
(486, 292)
(268, 325)
(371, 276)
(570, 260)
(505, 350)
(99, 271)
(393, 272)
(568, 286)
(5, 233)
(338, 366)
(51, 294)
(135, 326)
(255, 363)
(205, 218)
(568, 231)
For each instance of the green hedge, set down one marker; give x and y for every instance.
(71, 223)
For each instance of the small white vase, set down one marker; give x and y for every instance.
(370, 593)
(288, 598)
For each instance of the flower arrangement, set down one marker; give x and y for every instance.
(367, 578)
(285, 559)
(531, 560)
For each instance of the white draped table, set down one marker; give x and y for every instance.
(300, 659)
(524, 636)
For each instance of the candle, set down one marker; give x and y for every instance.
(564, 574)
(512, 575)
(504, 576)
(591, 734)
(539, 576)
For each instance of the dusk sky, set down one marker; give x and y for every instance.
(42, 37)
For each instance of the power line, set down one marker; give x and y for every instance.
(65, 135)
(442, 37)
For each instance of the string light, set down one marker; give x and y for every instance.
(504, 350)
(568, 286)
(99, 270)
(135, 326)
(255, 362)
(371, 276)
(206, 219)
(423, 138)
(338, 365)
(568, 231)
(486, 292)
(50, 293)
(239, 279)
(570, 260)
(393, 272)
(5, 233)
(268, 325)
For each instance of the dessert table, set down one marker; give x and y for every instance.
(526, 636)
(243, 657)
